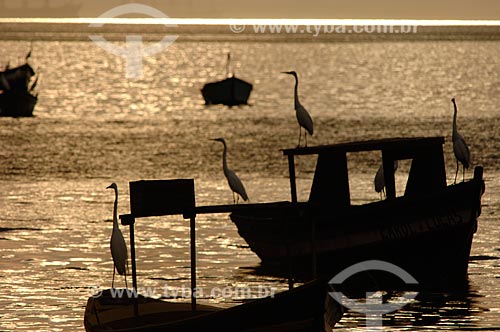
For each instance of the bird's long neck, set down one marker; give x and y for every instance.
(115, 210)
(224, 160)
(228, 65)
(454, 118)
(296, 94)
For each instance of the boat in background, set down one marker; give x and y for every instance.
(17, 97)
(427, 231)
(230, 91)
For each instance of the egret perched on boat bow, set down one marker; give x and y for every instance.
(232, 179)
(379, 180)
(303, 117)
(118, 246)
(460, 148)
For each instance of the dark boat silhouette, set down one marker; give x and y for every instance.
(16, 93)
(427, 231)
(230, 91)
(308, 307)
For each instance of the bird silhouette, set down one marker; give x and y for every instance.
(117, 244)
(232, 179)
(460, 148)
(303, 117)
(379, 180)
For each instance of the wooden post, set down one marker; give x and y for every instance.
(293, 191)
(129, 220)
(291, 170)
(288, 254)
(313, 244)
(192, 228)
(390, 182)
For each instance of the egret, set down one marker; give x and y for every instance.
(379, 180)
(118, 246)
(303, 117)
(228, 65)
(460, 148)
(232, 179)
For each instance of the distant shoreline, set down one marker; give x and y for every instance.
(251, 32)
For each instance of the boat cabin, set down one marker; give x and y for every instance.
(330, 185)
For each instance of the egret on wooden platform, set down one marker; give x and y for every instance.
(303, 117)
(232, 179)
(379, 180)
(117, 243)
(460, 148)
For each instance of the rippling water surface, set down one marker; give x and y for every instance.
(93, 127)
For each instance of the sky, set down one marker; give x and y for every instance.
(311, 9)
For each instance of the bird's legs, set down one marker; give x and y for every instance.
(300, 134)
(456, 174)
(463, 173)
(305, 136)
(126, 278)
(113, 282)
(234, 199)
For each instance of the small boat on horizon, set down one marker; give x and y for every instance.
(427, 231)
(230, 91)
(17, 97)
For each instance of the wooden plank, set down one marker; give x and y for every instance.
(402, 144)
(162, 197)
(246, 207)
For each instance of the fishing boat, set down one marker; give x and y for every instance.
(17, 98)
(230, 91)
(299, 309)
(427, 231)
(308, 307)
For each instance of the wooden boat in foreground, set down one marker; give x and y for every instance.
(230, 91)
(16, 94)
(427, 232)
(305, 308)
(300, 309)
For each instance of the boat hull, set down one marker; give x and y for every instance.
(430, 237)
(230, 91)
(17, 103)
(300, 309)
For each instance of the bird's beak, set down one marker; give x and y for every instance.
(108, 187)
(285, 72)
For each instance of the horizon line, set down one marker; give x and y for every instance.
(250, 21)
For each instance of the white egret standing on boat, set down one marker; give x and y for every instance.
(303, 117)
(118, 246)
(460, 148)
(232, 179)
(379, 180)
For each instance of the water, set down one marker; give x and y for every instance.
(93, 127)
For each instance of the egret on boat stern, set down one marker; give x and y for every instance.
(232, 179)
(118, 246)
(460, 148)
(303, 117)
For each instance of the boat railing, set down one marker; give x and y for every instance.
(155, 198)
